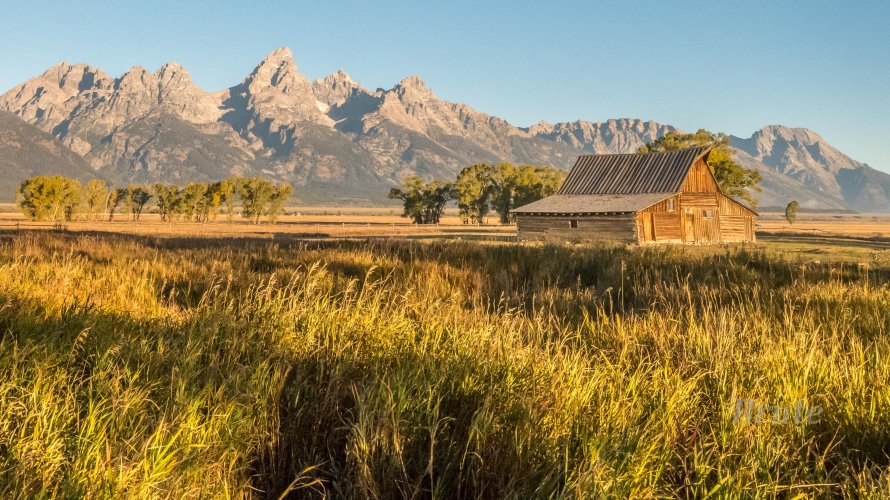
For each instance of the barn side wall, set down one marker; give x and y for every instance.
(700, 217)
(661, 222)
(558, 228)
(736, 221)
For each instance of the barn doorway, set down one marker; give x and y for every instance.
(707, 225)
(648, 227)
(689, 225)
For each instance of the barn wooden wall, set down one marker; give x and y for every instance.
(699, 179)
(619, 227)
(658, 223)
(736, 221)
(686, 223)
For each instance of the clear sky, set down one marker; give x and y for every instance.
(725, 66)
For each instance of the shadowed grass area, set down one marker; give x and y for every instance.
(181, 368)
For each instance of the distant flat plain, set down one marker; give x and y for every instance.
(849, 236)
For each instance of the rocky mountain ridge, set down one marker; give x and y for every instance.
(337, 141)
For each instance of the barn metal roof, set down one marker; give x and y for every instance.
(630, 173)
(592, 203)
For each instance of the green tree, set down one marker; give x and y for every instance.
(49, 197)
(256, 194)
(277, 201)
(791, 211)
(503, 185)
(423, 202)
(227, 190)
(95, 197)
(168, 199)
(193, 204)
(472, 191)
(412, 198)
(733, 179)
(514, 186)
(436, 195)
(534, 183)
(136, 198)
(115, 197)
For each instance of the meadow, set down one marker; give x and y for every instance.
(173, 366)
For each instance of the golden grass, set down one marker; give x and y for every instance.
(202, 367)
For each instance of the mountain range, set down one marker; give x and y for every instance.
(336, 141)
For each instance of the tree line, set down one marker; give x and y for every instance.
(57, 198)
(478, 190)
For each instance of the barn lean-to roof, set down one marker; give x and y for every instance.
(631, 173)
(581, 204)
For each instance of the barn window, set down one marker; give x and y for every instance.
(709, 213)
(670, 205)
(573, 223)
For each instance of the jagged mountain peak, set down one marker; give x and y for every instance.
(278, 70)
(619, 135)
(543, 127)
(335, 89)
(70, 78)
(135, 78)
(63, 68)
(832, 178)
(799, 134)
(273, 100)
(794, 150)
(172, 70)
(412, 88)
(279, 55)
(339, 76)
(412, 81)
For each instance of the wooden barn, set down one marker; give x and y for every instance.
(642, 198)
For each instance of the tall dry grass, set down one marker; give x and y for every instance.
(198, 368)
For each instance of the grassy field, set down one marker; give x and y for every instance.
(193, 365)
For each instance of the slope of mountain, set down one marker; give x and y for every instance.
(26, 151)
(822, 176)
(337, 141)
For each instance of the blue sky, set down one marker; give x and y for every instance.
(725, 66)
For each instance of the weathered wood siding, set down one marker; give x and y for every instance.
(736, 220)
(621, 227)
(699, 179)
(668, 227)
(664, 220)
(707, 229)
(728, 206)
(734, 228)
(700, 200)
(683, 218)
